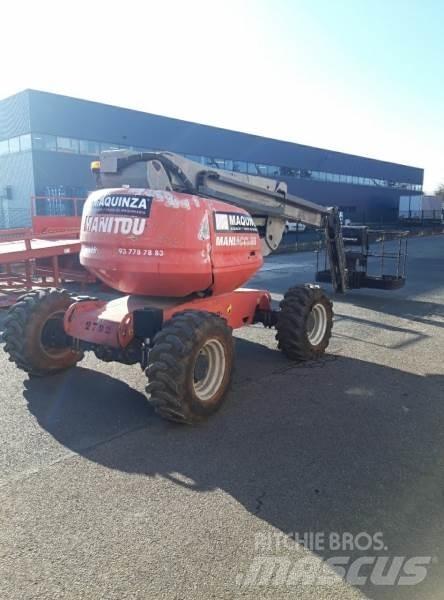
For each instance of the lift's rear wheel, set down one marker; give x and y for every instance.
(189, 366)
(304, 322)
(34, 334)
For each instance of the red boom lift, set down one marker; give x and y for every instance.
(177, 240)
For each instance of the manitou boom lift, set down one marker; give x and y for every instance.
(266, 200)
(177, 240)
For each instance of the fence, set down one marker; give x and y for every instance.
(71, 208)
(13, 218)
(53, 212)
(47, 206)
(422, 216)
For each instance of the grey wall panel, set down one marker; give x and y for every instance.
(366, 204)
(14, 116)
(53, 169)
(16, 171)
(61, 115)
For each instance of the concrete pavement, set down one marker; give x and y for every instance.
(101, 499)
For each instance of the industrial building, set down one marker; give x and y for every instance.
(47, 142)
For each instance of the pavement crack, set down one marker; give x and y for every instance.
(302, 367)
(259, 503)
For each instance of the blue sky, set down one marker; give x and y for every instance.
(361, 77)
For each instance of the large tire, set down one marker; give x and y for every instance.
(179, 387)
(304, 323)
(31, 327)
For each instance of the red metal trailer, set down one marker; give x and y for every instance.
(46, 253)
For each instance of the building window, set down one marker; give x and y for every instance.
(262, 169)
(220, 163)
(252, 169)
(39, 141)
(4, 147)
(92, 148)
(43, 142)
(239, 166)
(272, 171)
(14, 145)
(25, 142)
(287, 172)
(67, 145)
(208, 161)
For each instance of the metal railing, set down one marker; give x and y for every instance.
(53, 206)
(422, 216)
(42, 208)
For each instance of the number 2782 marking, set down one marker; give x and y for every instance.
(97, 326)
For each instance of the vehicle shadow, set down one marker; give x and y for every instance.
(416, 311)
(342, 445)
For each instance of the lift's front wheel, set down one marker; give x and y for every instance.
(190, 366)
(304, 322)
(34, 334)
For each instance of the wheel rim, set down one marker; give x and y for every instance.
(52, 334)
(317, 324)
(209, 370)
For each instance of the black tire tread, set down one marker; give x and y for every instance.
(17, 320)
(168, 360)
(291, 322)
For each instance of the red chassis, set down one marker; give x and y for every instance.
(114, 323)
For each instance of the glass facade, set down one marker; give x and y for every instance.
(44, 142)
(4, 147)
(69, 145)
(91, 148)
(14, 145)
(53, 143)
(25, 142)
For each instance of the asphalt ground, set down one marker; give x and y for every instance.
(102, 499)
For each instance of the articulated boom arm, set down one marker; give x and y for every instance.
(267, 200)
